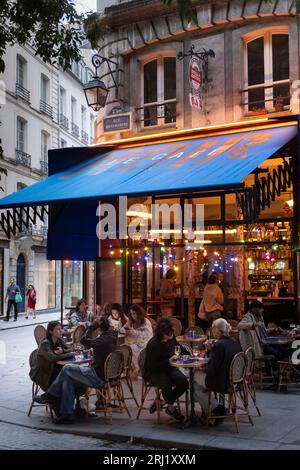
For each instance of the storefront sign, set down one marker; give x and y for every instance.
(117, 122)
(196, 82)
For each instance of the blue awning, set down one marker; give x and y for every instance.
(213, 162)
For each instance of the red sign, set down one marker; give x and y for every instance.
(195, 74)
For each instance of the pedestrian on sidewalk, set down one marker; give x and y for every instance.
(11, 292)
(31, 301)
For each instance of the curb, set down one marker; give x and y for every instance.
(118, 438)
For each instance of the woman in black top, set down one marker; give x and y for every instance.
(51, 350)
(159, 372)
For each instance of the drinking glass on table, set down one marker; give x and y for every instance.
(177, 350)
(196, 350)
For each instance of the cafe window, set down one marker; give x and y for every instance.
(267, 71)
(159, 91)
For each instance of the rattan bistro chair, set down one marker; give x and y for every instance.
(236, 396)
(126, 376)
(36, 388)
(177, 326)
(39, 334)
(250, 356)
(197, 329)
(112, 390)
(77, 334)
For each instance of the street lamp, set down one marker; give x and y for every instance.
(96, 93)
(95, 90)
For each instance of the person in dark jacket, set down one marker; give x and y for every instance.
(158, 371)
(216, 375)
(72, 375)
(51, 350)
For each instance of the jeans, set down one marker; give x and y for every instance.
(9, 305)
(172, 383)
(68, 381)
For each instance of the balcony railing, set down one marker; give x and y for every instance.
(75, 130)
(23, 158)
(45, 108)
(157, 114)
(85, 137)
(263, 99)
(64, 121)
(34, 231)
(44, 167)
(22, 92)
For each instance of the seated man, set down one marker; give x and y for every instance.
(253, 331)
(216, 375)
(159, 372)
(72, 375)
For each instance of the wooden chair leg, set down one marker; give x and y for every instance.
(130, 387)
(145, 391)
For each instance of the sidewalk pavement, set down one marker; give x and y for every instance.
(277, 428)
(42, 317)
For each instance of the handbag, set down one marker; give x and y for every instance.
(18, 298)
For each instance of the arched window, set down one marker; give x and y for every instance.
(159, 91)
(267, 71)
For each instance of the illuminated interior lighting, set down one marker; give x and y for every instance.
(290, 203)
(166, 230)
(144, 215)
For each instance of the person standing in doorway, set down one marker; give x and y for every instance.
(11, 291)
(31, 301)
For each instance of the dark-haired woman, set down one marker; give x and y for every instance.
(51, 350)
(138, 331)
(31, 301)
(80, 316)
(117, 317)
(158, 370)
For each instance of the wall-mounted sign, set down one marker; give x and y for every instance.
(117, 122)
(196, 82)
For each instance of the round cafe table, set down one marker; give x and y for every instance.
(192, 364)
(77, 360)
(191, 340)
(280, 340)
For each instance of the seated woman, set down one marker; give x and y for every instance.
(138, 331)
(117, 317)
(51, 350)
(80, 315)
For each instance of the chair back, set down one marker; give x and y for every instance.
(33, 358)
(113, 366)
(250, 356)
(177, 326)
(39, 334)
(77, 333)
(153, 323)
(198, 331)
(237, 369)
(141, 361)
(127, 357)
(187, 348)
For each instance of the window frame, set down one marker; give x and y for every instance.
(160, 90)
(45, 86)
(44, 154)
(21, 60)
(266, 34)
(21, 120)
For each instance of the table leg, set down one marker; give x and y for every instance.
(193, 419)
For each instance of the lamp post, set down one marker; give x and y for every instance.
(95, 90)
